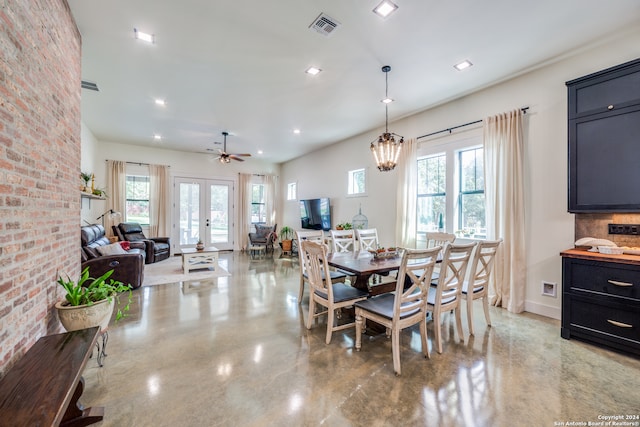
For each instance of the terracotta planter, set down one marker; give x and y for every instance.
(286, 245)
(78, 317)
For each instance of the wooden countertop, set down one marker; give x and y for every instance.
(596, 256)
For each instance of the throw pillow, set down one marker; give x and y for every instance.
(125, 245)
(263, 230)
(112, 249)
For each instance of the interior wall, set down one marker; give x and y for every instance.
(39, 168)
(182, 164)
(550, 228)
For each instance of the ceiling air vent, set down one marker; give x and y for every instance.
(324, 24)
(89, 85)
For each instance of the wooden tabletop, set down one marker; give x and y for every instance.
(363, 263)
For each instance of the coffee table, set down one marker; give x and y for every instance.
(193, 259)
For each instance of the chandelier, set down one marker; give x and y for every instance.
(387, 150)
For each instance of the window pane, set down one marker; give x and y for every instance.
(137, 199)
(189, 213)
(429, 209)
(258, 213)
(473, 218)
(356, 183)
(292, 193)
(432, 175)
(471, 170)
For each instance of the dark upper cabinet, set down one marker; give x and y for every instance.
(604, 140)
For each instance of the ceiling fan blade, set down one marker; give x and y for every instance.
(233, 156)
(241, 154)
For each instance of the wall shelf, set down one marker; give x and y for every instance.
(91, 196)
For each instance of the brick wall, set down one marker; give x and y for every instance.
(39, 167)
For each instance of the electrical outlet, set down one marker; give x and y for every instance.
(629, 229)
(549, 289)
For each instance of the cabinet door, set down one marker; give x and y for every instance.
(604, 162)
(612, 89)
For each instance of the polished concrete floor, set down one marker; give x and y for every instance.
(234, 352)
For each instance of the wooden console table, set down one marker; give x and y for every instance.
(44, 386)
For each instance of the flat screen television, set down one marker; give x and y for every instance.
(315, 214)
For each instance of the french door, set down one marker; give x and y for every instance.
(203, 211)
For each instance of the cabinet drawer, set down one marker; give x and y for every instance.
(621, 280)
(605, 319)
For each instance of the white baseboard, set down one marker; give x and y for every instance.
(543, 310)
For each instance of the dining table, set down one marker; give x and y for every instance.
(362, 265)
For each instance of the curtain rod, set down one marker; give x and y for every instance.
(139, 163)
(523, 109)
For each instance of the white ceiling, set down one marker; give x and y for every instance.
(238, 66)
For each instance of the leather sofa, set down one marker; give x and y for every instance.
(157, 248)
(127, 268)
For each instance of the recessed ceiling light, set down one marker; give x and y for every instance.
(161, 102)
(259, 151)
(149, 38)
(157, 137)
(385, 8)
(296, 131)
(386, 100)
(464, 64)
(313, 71)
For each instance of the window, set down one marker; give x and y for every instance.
(137, 199)
(258, 207)
(451, 186)
(432, 193)
(292, 191)
(471, 218)
(357, 182)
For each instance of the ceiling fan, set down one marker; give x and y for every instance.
(226, 157)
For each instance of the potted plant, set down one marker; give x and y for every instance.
(86, 177)
(286, 238)
(90, 302)
(199, 245)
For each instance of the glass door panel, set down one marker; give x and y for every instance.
(204, 209)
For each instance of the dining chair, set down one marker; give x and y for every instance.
(404, 308)
(446, 295)
(367, 239)
(332, 296)
(343, 240)
(477, 287)
(436, 238)
(318, 237)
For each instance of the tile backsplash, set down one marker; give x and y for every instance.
(597, 225)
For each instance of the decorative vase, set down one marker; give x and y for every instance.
(199, 246)
(76, 317)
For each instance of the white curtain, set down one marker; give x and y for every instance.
(406, 195)
(504, 192)
(270, 189)
(159, 207)
(244, 214)
(116, 191)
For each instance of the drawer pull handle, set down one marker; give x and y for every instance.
(619, 324)
(615, 282)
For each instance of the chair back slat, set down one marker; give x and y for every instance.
(414, 280)
(314, 256)
(343, 240)
(368, 239)
(308, 235)
(483, 263)
(455, 260)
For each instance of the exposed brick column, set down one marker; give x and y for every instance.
(39, 167)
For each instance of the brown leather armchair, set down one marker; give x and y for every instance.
(127, 268)
(157, 248)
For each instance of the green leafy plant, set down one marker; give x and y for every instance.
(286, 233)
(86, 177)
(88, 290)
(99, 192)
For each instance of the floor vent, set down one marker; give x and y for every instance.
(324, 25)
(89, 85)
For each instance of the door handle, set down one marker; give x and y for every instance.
(624, 284)
(619, 324)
